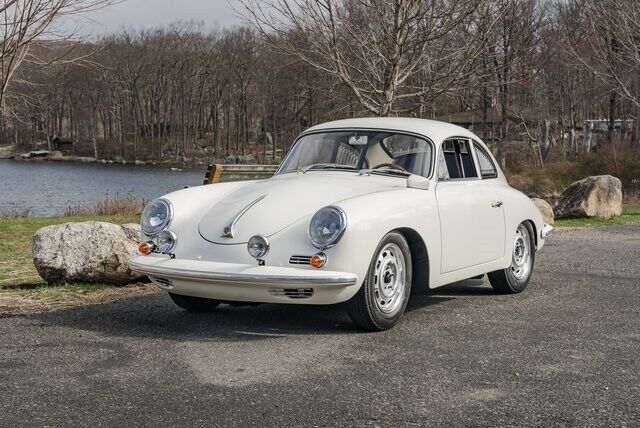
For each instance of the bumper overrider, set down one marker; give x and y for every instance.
(244, 282)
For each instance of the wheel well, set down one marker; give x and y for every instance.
(419, 257)
(535, 232)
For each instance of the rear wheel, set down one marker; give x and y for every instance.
(383, 297)
(515, 278)
(194, 304)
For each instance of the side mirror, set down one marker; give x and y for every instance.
(417, 182)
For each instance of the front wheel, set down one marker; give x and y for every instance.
(194, 304)
(515, 278)
(383, 297)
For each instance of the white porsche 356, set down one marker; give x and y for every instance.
(360, 211)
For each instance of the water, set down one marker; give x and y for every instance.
(47, 188)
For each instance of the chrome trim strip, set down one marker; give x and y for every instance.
(243, 278)
(229, 231)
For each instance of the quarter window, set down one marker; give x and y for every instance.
(487, 167)
(456, 160)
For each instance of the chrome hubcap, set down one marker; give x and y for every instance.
(389, 281)
(521, 260)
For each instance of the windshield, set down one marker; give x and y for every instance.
(355, 150)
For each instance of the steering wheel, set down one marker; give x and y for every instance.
(392, 166)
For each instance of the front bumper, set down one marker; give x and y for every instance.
(248, 283)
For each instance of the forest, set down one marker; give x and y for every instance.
(542, 82)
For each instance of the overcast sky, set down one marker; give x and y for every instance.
(133, 14)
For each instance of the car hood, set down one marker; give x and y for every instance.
(268, 206)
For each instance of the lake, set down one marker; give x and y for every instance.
(47, 188)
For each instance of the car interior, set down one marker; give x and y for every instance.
(458, 160)
(383, 150)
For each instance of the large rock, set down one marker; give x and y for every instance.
(545, 209)
(596, 196)
(86, 252)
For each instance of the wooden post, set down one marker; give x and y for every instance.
(214, 171)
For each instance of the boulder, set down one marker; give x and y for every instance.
(86, 252)
(596, 196)
(545, 209)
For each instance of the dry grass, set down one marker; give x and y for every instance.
(15, 213)
(27, 300)
(108, 206)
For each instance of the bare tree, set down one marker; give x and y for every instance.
(383, 51)
(614, 42)
(23, 22)
(614, 53)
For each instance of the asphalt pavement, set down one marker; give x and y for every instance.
(566, 352)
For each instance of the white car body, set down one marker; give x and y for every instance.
(456, 228)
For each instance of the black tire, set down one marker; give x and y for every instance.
(504, 281)
(364, 308)
(194, 304)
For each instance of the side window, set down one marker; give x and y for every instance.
(411, 153)
(466, 159)
(456, 160)
(487, 167)
(451, 159)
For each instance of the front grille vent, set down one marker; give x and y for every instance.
(162, 282)
(299, 260)
(292, 293)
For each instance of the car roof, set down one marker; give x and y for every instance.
(436, 130)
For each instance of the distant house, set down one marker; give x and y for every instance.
(487, 124)
(595, 131)
(62, 145)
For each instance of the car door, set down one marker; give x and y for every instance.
(471, 216)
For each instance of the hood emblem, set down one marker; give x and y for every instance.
(229, 229)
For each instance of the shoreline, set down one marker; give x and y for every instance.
(90, 160)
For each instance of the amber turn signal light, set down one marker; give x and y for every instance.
(318, 260)
(145, 248)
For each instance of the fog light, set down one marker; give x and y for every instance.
(318, 260)
(258, 246)
(146, 247)
(166, 241)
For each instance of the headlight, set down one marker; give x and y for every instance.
(166, 241)
(156, 216)
(258, 246)
(327, 226)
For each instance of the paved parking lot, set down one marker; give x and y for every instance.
(565, 352)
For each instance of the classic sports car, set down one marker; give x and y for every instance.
(360, 211)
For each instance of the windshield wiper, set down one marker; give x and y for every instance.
(326, 166)
(385, 171)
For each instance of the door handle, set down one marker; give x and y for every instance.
(496, 204)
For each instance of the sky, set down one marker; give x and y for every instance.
(135, 14)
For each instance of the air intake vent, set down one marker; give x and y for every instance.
(299, 260)
(292, 293)
(162, 282)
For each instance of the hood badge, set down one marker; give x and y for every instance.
(229, 229)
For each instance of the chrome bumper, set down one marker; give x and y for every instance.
(231, 273)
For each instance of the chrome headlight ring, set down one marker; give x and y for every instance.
(258, 246)
(166, 241)
(327, 227)
(156, 216)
